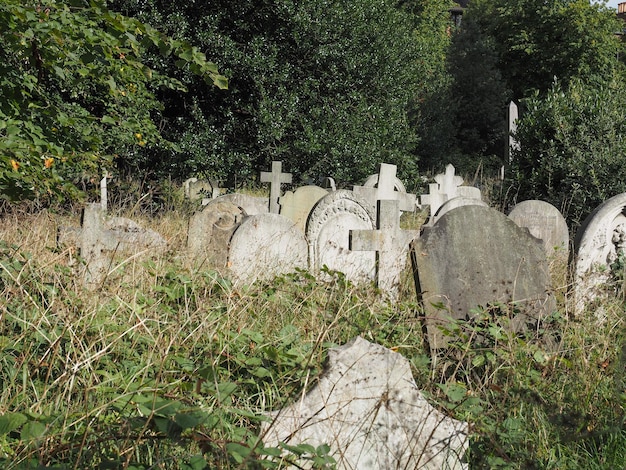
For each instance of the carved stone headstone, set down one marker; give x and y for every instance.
(455, 202)
(205, 190)
(276, 177)
(386, 186)
(297, 205)
(100, 238)
(475, 256)
(328, 234)
(210, 230)
(543, 221)
(390, 243)
(265, 246)
(599, 243)
(368, 409)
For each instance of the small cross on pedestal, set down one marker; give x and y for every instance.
(276, 177)
(390, 242)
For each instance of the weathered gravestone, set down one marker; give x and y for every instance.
(252, 205)
(205, 190)
(297, 205)
(385, 185)
(328, 235)
(600, 246)
(390, 243)
(458, 201)
(512, 144)
(276, 178)
(475, 257)
(447, 186)
(368, 409)
(265, 246)
(100, 238)
(210, 231)
(545, 222)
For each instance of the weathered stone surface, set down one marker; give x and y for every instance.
(251, 205)
(265, 246)
(368, 409)
(210, 231)
(100, 238)
(276, 178)
(600, 240)
(297, 205)
(328, 234)
(195, 189)
(385, 186)
(455, 202)
(475, 256)
(390, 243)
(545, 222)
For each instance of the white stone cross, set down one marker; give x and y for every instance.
(445, 188)
(276, 177)
(390, 242)
(385, 189)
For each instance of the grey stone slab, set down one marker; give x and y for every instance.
(252, 205)
(473, 257)
(368, 409)
(297, 205)
(210, 231)
(543, 221)
(265, 246)
(328, 235)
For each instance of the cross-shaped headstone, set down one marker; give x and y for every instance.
(276, 177)
(385, 189)
(390, 242)
(445, 188)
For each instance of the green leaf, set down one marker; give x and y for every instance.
(32, 430)
(11, 421)
(188, 420)
(454, 391)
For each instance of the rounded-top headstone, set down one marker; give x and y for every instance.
(296, 205)
(545, 222)
(328, 234)
(455, 202)
(265, 246)
(252, 205)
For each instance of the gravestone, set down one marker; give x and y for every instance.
(599, 243)
(368, 409)
(512, 144)
(195, 189)
(210, 230)
(328, 234)
(252, 205)
(475, 256)
(276, 177)
(447, 186)
(386, 186)
(390, 243)
(455, 202)
(101, 238)
(545, 222)
(297, 205)
(265, 246)
(329, 183)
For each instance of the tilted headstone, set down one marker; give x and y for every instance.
(265, 246)
(276, 177)
(447, 186)
(210, 230)
(599, 243)
(545, 222)
(386, 186)
(101, 238)
(297, 205)
(252, 205)
(390, 243)
(328, 234)
(473, 257)
(368, 409)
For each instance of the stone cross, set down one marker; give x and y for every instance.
(385, 189)
(446, 187)
(276, 177)
(390, 242)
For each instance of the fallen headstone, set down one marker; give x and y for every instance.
(265, 246)
(368, 409)
(328, 234)
(473, 257)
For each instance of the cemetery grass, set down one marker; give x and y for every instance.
(168, 366)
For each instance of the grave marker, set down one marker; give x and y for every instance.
(276, 177)
(297, 205)
(390, 243)
(545, 222)
(385, 185)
